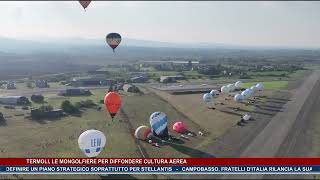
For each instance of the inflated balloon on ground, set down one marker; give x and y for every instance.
(179, 127)
(143, 133)
(92, 142)
(238, 97)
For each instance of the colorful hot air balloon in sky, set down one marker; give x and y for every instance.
(113, 40)
(92, 142)
(85, 4)
(112, 101)
(142, 133)
(158, 123)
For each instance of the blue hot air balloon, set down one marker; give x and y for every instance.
(158, 123)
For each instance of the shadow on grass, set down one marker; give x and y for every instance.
(257, 112)
(194, 153)
(278, 99)
(269, 109)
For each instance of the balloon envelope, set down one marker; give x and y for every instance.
(254, 88)
(142, 132)
(214, 93)
(224, 89)
(179, 127)
(113, 40)
(246, 117)
(238, 97)
(260, 86)
(112, 102)
(207, 97)
(231, 87)
(158, 122)
(238, 84)
(245, 94)
(84, 4)
(92, 142)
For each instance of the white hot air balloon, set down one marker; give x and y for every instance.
(254, 88)
(238, 97)
(260, 86)
(224, 89)
(245, 94)
(92, 142)
(246, 117)
(231, 87)
(214, 93)
(207, 98)
(238, 84)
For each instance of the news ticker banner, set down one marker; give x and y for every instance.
(159, 165)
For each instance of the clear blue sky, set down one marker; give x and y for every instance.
(244, 23)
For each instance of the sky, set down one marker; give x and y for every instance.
(270, 23)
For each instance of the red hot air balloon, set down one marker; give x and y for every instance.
(84, 4)
(112, 102)
(179, 127)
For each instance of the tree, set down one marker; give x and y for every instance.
(37, 98)
(68, 107)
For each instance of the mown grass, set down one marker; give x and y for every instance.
(269, 84)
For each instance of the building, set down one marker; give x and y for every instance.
(41, 83)
(85, 82)
(74, 92)
(130, 88)
(139, 79)
(107, 82)
(11, 85)
(37, 113)
(171, 79)
(14, 100)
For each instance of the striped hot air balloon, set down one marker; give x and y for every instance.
(158, 123)
(113, 40)
(142, 133)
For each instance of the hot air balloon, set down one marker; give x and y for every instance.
(112, 102)
(246, 117)
(231, 87)
(224, 89)
(84, 4)
(113, 40)
(207, 98)
(179, 127)
(238, 97)
(238, 84)
(92, 142)
(158, 123)
(254, 88)
(142, 133)
(260, 86)
(214, 93)
(245, 94)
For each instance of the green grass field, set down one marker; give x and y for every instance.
(269, 84)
